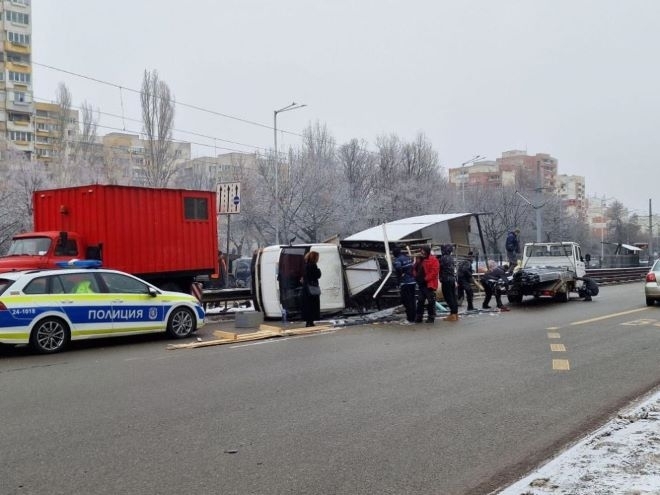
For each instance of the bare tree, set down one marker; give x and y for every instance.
(62, 123)
(158, 119)
(21, 178)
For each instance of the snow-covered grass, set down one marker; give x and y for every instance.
(620, 458)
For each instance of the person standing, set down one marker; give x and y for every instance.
(311, 291)
(494, 276)
(512, 246)
(427, 271)
(403, 267)
(448, 281)
(465, 279)
(223, 273)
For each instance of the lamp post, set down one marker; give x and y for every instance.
(476, 158)
(292, 106)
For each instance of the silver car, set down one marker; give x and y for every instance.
(652, 287)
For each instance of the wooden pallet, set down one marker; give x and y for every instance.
(264, 332)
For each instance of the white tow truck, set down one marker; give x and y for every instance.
(549, 269)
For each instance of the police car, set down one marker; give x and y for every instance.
(49, 308)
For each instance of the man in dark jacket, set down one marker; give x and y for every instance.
(403, 267)
(465, 279)
(512, 246)
(491, 279)
(448, 281)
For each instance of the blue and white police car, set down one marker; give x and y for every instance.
(49, 308)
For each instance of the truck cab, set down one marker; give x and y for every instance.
(39, 250)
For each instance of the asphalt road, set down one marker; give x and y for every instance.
(449, 408)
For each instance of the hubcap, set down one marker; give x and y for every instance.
(182, 323)
(50, 336)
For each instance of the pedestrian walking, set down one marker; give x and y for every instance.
(465, 279)
(448, 281)
(426, 273)
(403, 266)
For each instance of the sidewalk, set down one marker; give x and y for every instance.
(620, 458)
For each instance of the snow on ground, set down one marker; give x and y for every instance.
(620, 458)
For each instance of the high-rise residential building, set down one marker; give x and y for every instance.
(525, 172)
(56, 131)
(16, 102)
(571, 192)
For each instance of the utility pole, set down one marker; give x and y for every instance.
(650, 251)
(539, 216)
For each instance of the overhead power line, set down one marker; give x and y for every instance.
(133, 119)
(187, 105)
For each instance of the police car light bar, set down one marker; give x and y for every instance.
(79, 264)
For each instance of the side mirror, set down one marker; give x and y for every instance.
(153, 292)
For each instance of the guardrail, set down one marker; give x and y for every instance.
(217, 296)
(602, 276)
(617, 275)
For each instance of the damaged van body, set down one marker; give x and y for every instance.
(357, 271)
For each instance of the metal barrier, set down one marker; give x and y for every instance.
(215, 296)
(617, 275)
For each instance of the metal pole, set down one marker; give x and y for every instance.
(277, 190)
(539, 217)
(227, 255)
(650, 250)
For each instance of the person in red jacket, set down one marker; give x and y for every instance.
(426, 274)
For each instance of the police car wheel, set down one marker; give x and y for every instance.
(50, 335)
(181, 323)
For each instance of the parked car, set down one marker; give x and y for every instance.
(49, 308)
(651, 288)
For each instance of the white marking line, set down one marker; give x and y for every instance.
(614, 315)
(554, 335)
(639, 323)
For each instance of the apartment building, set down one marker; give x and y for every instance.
(526, 173)
(204, 172)
(16, 102)
(55, 132)
(125, 155)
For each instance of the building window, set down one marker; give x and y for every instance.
(20, 136)
(19, 97)
(18, 38)
(19, 77)
(17, 17)
(195, 208)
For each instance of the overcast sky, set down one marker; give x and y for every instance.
(578, 79)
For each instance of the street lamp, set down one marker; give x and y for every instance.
(476, 158)
(292, 106)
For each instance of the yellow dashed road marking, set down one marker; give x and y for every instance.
(560, 365)
(605, 317)
(557, 348)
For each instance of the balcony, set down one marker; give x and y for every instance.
(17, 48)
(19, 125)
